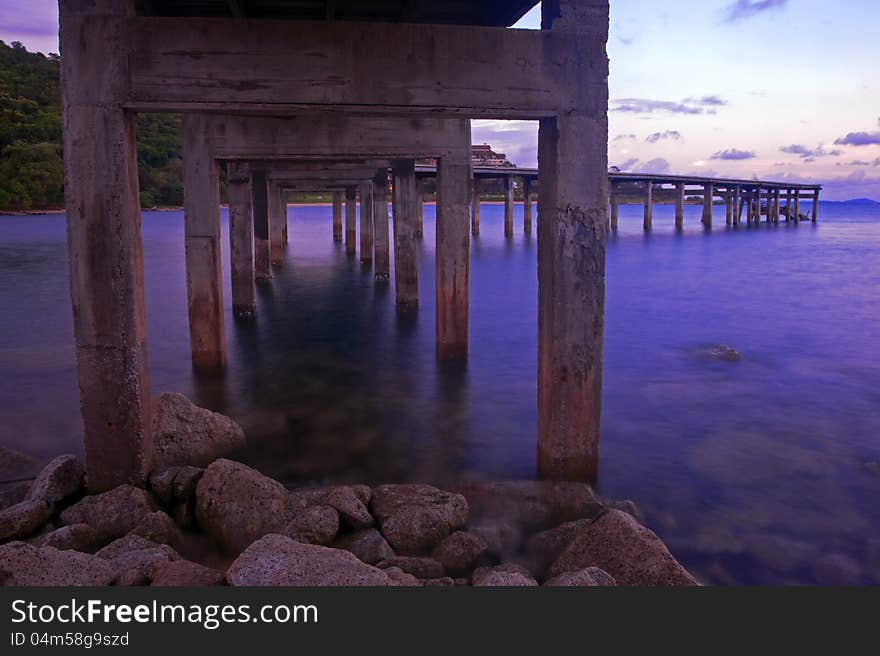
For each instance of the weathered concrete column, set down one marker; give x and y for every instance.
(381, 250)
(815, 205)
(201, 210)
(277, 219)
(260, 204)
(508, 206)
(366, 220)
(776, 196)
(453, 253)
(758, 205)
(728, 206)
(737, 205)
(350, 220)
(679, 206)
(797, 205)
(527, 206)
(649, 205)
(420, 210)
(406, 266)
(788, 206)
(614, 206)
(337, 215)
(241, 239)
(475, 208)
(104, 244)
(708, 195)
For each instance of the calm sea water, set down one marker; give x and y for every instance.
(754, 471)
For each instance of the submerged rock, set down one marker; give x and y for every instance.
(415, 518)
(22, 564)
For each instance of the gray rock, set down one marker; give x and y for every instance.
(276, 560)
(314, 525)
(79, 537)
(401, 579)
(421, 568)
(158, 527)
(61, 478)
(415, 518)
(441, 582)
(185, 573)
(185, 434)
(504, 575)
(631, 553)
(460, 552)
(24, 519)
(133, 558)
(22, 564)
(543, 548)
(175, 483)
(113, 513)
(350, 508)
(588, 577)
(367, 544)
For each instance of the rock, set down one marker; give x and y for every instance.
(131, 543)
(185, 573)
(628, 506)
(175, 483)
(113, 513)
(184, 514)
(460, 552)
(79, 537)
(185, 434)
(588, 577)
(276, 560)
(415, 518)
(421, 568)
(158, 527)
(631, 553)
(133, 558)
(61, 478)
(237, 505)
(401, 579)
(162, 483)
(367, 544)
(442, 582)
(724, 353)
(24, 519)
(314, 525)
(23, 564)
(534, 505)
(350, 508)
(542, 549)
(503, 539)
(505, 575)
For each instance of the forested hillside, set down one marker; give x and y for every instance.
(31, 174)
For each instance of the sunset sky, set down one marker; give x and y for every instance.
(779, 89)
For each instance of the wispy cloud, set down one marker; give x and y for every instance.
(704, 105)
(657, 165)
(674, 135)
(807, 153)
(742, 9)
(859, 139)
(624, 137)
(733, 154)
(627, 165)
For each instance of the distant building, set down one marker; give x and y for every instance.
(482, 155)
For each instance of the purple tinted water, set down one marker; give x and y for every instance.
(754, 471)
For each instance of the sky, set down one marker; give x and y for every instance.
(774, 89)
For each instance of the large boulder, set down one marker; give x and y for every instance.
(460, 552)
(415, 518)
(367, 544)
(24, 519)
(588, 577)
(113, 513)
(185, 573)
(543, 548)
(351, 509)
(79, 537)
(314, 525)
(631, 553)
(158, 527)
(133, 559)
(276, 560)
(61, 478)
(185, 434)
(23, 564)
(236, 505)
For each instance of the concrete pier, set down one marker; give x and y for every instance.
(708, 196)
(649, 205)
(508, 206)
(420, 207)
(797, 206)
(404, 219)
(338, 197)
(527, 206)
(241, 239)
(679, 206)
(815, 214)
(614, 207)
(381, 248)
(260, 205)
(277, 220)
(475, 208)
(366, 219)
(351, 220)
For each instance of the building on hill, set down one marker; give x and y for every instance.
(482, 155)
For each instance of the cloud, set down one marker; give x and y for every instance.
(807, 153)
(621, 137)
(675, 135)
(742, 9)
(516, 139)
(704, 105)
(858, 162)
(859, 139)
(657, 165)
(733, 154)
(707, 101)
(628, 164)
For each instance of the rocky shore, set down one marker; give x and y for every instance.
(203, 519)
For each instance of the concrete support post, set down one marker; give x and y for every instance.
(420, 210)
(381, 250)
(241, 240)
(737, 205)
(527, 206)
(776, 195)
(260, 204)
(797, 205)
(815, 206)
(475, 208)
(104, 244)
(728, 207)
(453, 253)
(788, 210)
(614, 206)
(284, 235)
(708, 195)
(201, 210)
(337, 215)
(277, 219)
(350, 220)
(679, 206)
(403, 217)
(649, 205)
(366, 221)
(508, 206)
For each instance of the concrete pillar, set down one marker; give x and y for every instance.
(403, 208)
(337, 215)
(649, 205)
(381, 251)
(614, 205)
(788, 206)
(420, 209)
(527, 206)
(366, 220)
(815, 205)
(737, 205)
(277, 219)
(284, 235)
(797, 205)
(759, 205)
(453, 253)
(475, 208)
(241, 239)
(728, 207)
(104, 245)
(201, 210)
(260, 204)
(508, 206)
(350, 220)
(776, 195)
(708, 195)
(679, 206)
